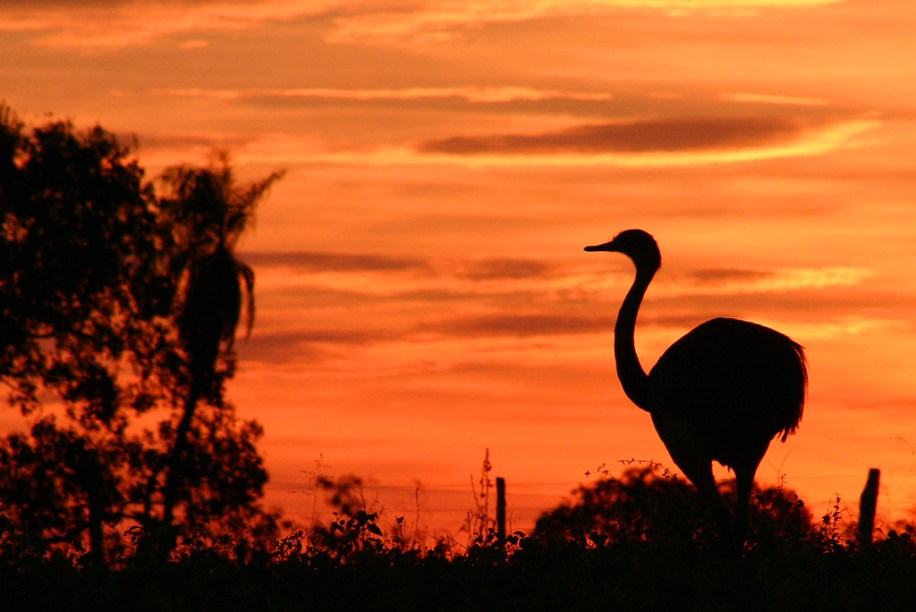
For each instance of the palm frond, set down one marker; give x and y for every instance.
(210, 213)
(240, 212)
(247, 274)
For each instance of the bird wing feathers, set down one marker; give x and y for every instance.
(728, 376)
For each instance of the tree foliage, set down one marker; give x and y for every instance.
(209, 212)
(81, 283)
(658, 508)
(116, 302)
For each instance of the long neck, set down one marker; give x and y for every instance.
(634, 379)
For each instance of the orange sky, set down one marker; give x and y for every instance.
(422, 290)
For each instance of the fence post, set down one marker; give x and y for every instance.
(501, 509)
(868, 504)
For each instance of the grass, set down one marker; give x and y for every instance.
(634, 543)
(534, 577)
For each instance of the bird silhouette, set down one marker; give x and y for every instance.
(720, 393)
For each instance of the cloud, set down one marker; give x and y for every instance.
(443, 19)
(641, 144)
(633, 137)
(311, 344)
(504, 269)
(279, 348)
(774, 99)
(519, 324)
(619, 128)
(469, 94)
(570, 148)
(486, 269)
(787, 279)
(461, 98)
(830, 311)
(720, 276)
(153, 141)
(116, 24)
(317, 261)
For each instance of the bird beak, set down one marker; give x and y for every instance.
(607, 246)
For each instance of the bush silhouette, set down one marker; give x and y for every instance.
(647, 506)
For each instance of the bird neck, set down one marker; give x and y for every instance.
(632, 376)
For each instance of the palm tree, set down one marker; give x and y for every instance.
(210, 212)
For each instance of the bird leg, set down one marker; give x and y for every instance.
(744, 483)
(701, 476)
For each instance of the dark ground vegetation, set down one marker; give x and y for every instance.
(638, 542)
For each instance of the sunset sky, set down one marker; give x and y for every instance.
(422, 290)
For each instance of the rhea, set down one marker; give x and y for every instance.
(720, 393)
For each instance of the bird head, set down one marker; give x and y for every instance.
(636, 244)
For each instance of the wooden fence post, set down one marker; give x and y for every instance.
(868, 504)
(501, 509)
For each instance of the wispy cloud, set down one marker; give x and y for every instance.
(337, 270)
(596, 127)
(520, 324)
(115, 24)
(360, 275)
(775, 99)
(311, 261)
(442, 19)
(207, 140)
(630, 147)
(470, 94)
(733, 281)
(631, 137)
(848, 326)
(514, 299)
(500, 269)
(720, 276)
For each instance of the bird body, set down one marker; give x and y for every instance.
(720, 376)
(720, 393)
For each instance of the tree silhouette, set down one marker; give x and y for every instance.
(57, 485)
(81, 285)
(645, 506)
(107, 313)
(210, 213)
